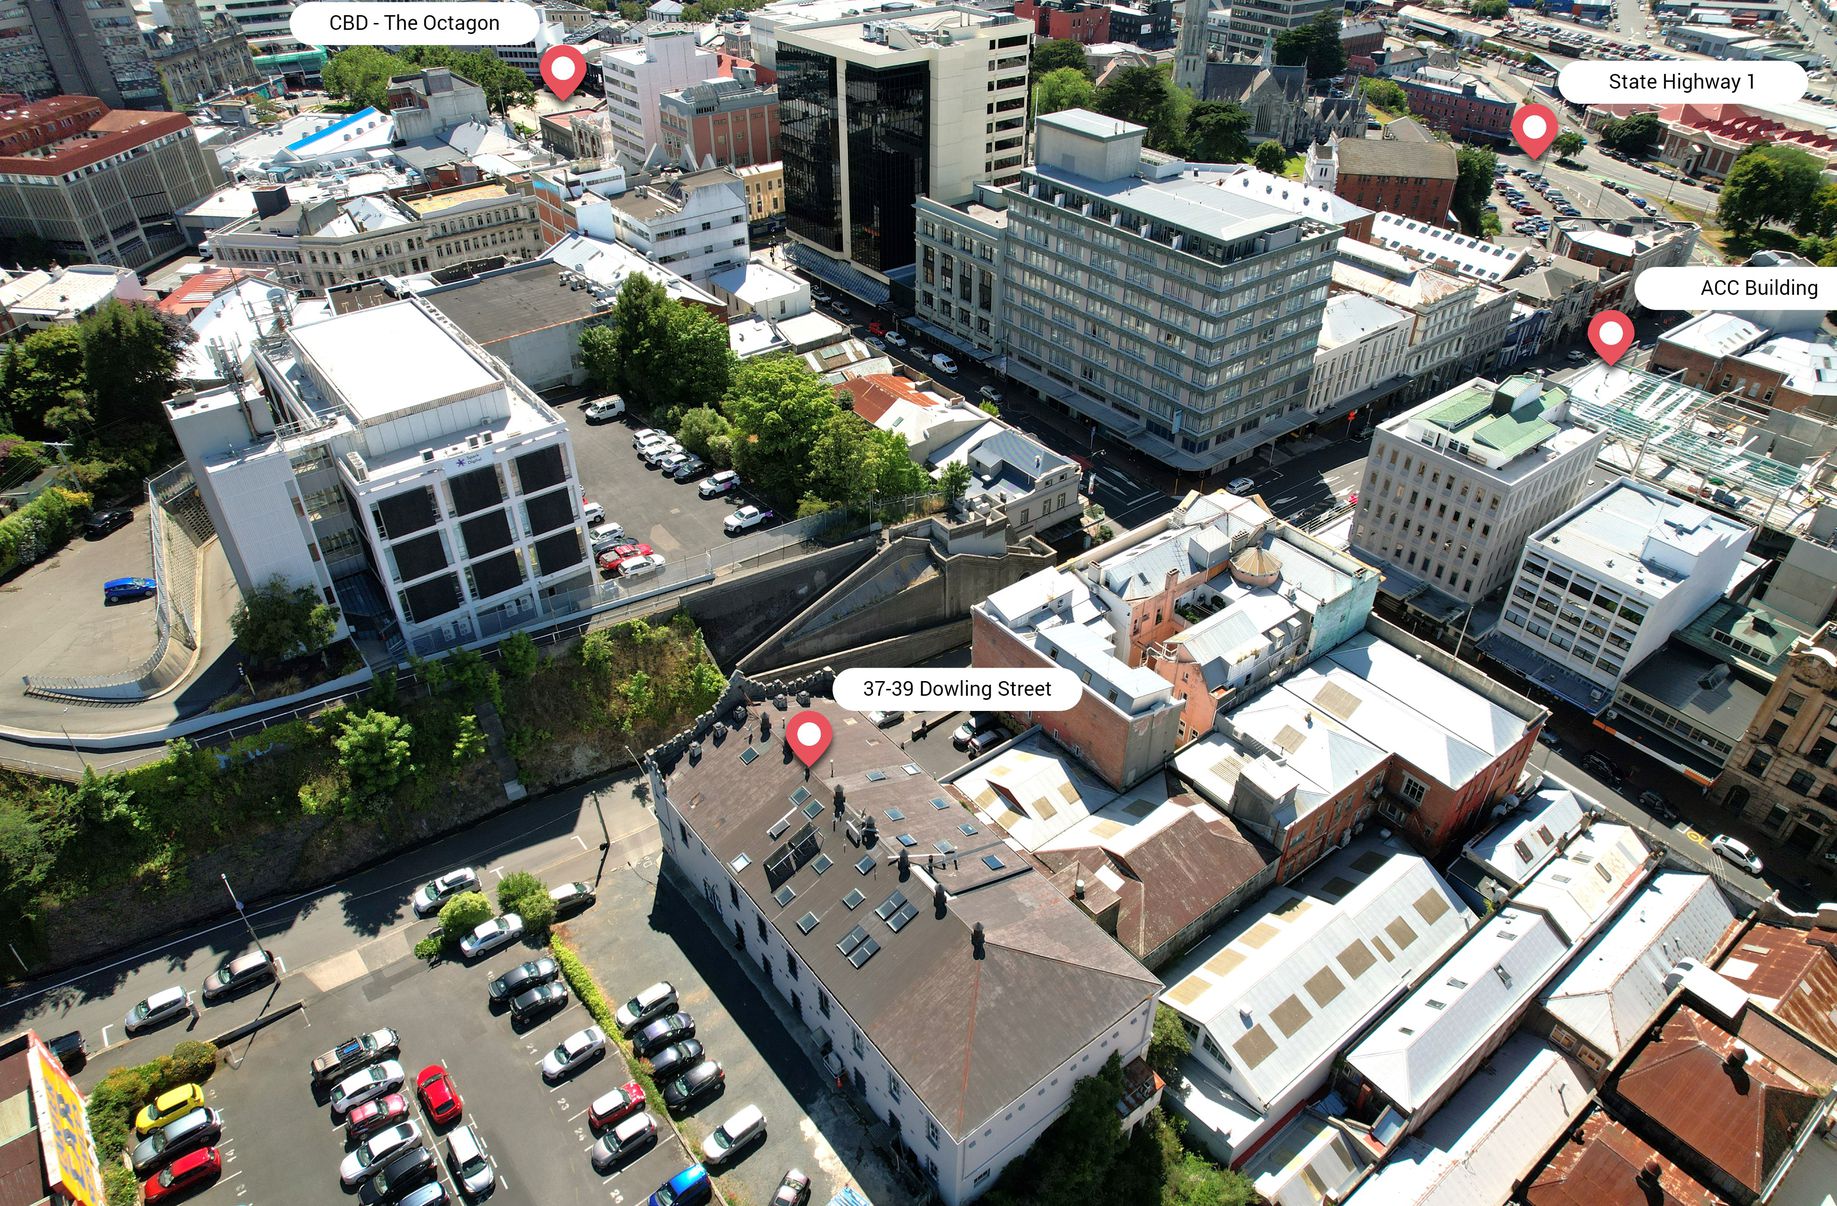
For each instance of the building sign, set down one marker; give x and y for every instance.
(63, 1130)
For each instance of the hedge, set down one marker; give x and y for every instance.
(580, 978)
(39, 528)
(119, 1097)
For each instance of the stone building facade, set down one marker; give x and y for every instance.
(1781, 776)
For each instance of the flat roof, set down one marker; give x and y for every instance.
(386, 361)
(1611, 533)
(433, 203)
(1676, 676)
(514, 301)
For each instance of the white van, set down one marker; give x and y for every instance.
(943, 363)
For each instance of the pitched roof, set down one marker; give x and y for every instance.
(1793, 973)
(1602, 1167)
(1396, 157)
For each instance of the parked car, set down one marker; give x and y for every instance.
(1241, 485)
(638, 567)
(745, 519)
(353, 1053)
(943, 363)
(573, 1053)
(618, 554)
(539, 1000)
(370, 1157)
(405, 1171)
(989, 393)
(1547, 736)
(101, 523)
(606, 536)
(465, 1157)
(979, 722)
(122, 590)
(985, 741)
(623, 1141)
(691, 1087)
(431, 1194)
(896, 339)
(744, 1128)
(675, 1058)
(193, 1129)
(647, 435)
(70, 1048)
(185, 1174)
(719, 483)
(621, 1102)
(373, 1115)
(438, 1095)
(1737, 852)
(571, 898)
(158, 1009)
(360, 1087)
(793, 1190)
(882, 718)
(523, 977)
(656, 454)
(1598, 765)
(592, 512)
(1656, 804)
(690, 1187)
(652, 1003)
(490, 935)
(240, 973)
(690, 466)
(604, 410)
(430, 896)
(672, 1028)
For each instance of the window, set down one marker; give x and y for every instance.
(733, 894)
(790, 965)
(1821, 751)
(1801, 782)
(1413, 790)
(1757, 762)
(1775, 731)
(822, 1002)
(1792, 703)
(932, 1135)
(855, 1039)
(893, 1089)
(760, 922)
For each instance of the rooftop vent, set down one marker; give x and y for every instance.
(976, 940)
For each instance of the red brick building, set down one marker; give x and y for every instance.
(1399, 175)
(1464, 105)
(733, 122)
(1070, 20)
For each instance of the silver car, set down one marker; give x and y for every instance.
(161, 1007)
(465, 1156)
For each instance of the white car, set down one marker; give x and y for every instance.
(490, 935)
(442, 888)
(943, 363)
(719, 483)
(644, 563)
(655, 454)
(360, 1087)
(989, 393)
(745, 519)
(465, 1156)
(668, 465)
(592, 512)
(1736, 852)
(602, 410)
(368, 1160)
(652, 1003)
(574, 1053)
(647, 435)
(896, 339)
(162, 1006)
(607, 535)
(746, 1125)
(1240, 485)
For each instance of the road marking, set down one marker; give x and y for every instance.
(498, 871)
(105, 1031)
(577, 837)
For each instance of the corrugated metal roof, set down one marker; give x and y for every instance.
(1793, 973)
(1512, 850)
(1603, 1167)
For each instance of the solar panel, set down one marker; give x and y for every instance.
(778, 868)
(852, 939)
(861, 954)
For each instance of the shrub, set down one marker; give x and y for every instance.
(527, 896)
(115, 1101)
(519, 655)
(39, 528)
(463, 914)
(588, 992)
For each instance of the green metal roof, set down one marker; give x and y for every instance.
(1514, 433)
(1460, 410)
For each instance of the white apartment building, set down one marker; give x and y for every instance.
(1361, 353)
(1442, 308)
(634, 77)
(692, 223)
(265, 23)
(997, 993)
(397, 461)
(877, 110)
(1603, 586)
(1453, 488)
(434, 101)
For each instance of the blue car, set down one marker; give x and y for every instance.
(117, 590)
(689, 1187)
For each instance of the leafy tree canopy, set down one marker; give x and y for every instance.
(1218, 132)
(276, 622)
(1315, 45)
(1061, 89)
(1057, 54)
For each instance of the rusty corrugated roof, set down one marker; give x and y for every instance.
(1600, 1163)
(1793, 973)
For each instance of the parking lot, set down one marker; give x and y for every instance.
(54, 620)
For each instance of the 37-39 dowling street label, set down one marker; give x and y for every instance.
(948, 690)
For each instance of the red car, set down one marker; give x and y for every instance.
(607, 1109)
(373, 1116)
(438, 1096)
(612, 558)
(184, 1175)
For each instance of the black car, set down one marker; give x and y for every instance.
(1599, 766)
(523, 977)
(661, 1033)
(416, 1166)
(244, 971)
(71, 1050)
(676, 1058)
(198, 1128)
(101, 523)
(539, 1000)
(1656, 804)
(690, 1089)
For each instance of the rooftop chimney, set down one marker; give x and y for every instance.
(1737, 1058)
(976, 940)
(939, 898)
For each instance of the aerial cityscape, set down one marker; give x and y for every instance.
(1276, 558)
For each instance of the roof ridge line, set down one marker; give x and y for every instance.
(1075, 964)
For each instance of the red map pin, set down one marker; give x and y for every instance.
(808, 735)
(1612, 334)
(563, 68)
(1533, 126)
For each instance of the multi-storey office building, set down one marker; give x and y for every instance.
(635, 77)
(400, 463)
(1157, 304)
(878, 110)
(1252, 26)
(1781, 775)
(693, 223)
(93, 48)
(1453, 487)
(732, 122)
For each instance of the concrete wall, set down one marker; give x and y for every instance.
(738, 613)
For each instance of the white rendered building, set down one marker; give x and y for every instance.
(693, 224)
(1361, 347)
(634, 77)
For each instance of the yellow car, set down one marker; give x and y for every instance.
(167, 1106)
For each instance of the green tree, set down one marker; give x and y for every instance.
(27, 851)
(699, 360)
(1488, 10)
(1387, 96)
(1473, 182)
(130, 359)
(641, 319)
(954, 481)
(599, 355)
(278, 622)
(1270, 157)
(527, 896)
(777, 407)
(703, 430)
(1218, 132)
(1145, 96)
(1636, 135)
(360, 75)
(1568, 144)
(1073, 1159)
(374, 752)
(1058, 54)
(468, 741)
(1065, 88)
(1769, 185)
(463, 914)
(838, 457)
(37, 375)
(1168, 1044)
(518, 654)
(1315, 45)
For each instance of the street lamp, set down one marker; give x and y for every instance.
(243, 913)
(605, 835)
(65, 730)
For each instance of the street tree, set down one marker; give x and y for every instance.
(463, 914)
(1568, 144)
(523, 893)
(360, 75)
(1770, 185)
(1065, 88)
(276, 622)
